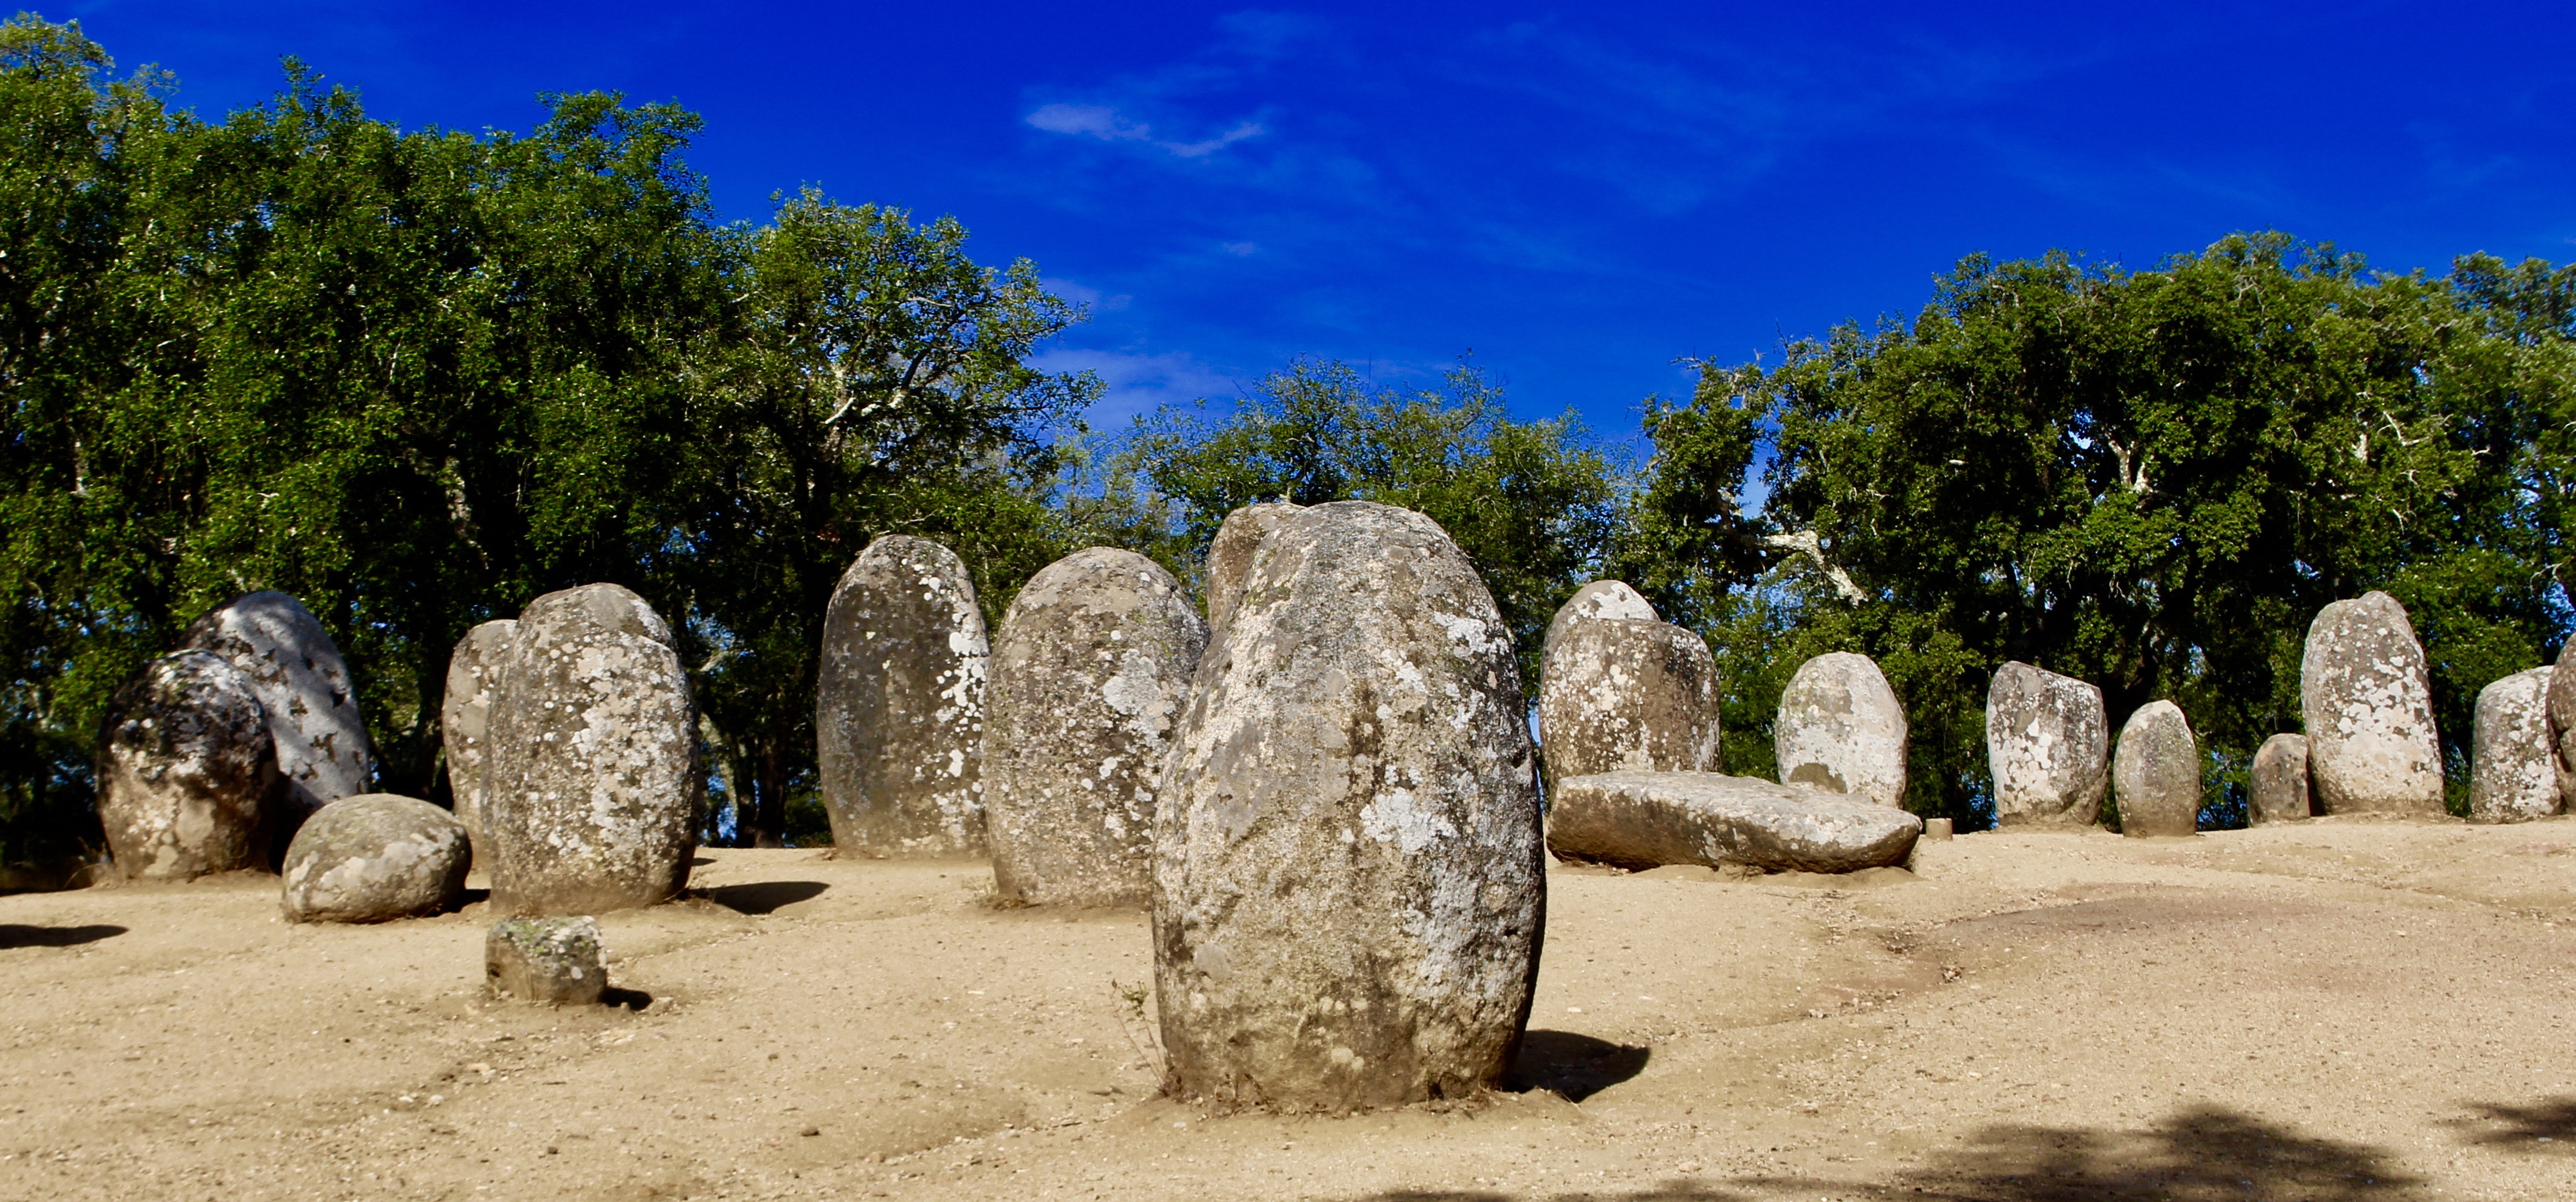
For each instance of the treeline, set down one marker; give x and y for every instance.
(417, 378)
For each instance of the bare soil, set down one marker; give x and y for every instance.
(2333, 1010)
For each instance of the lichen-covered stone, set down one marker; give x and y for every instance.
(375, 857)
(2048, 744)
(185, 769)
(2155, 776)
(2280, 787)
(2562, 720)
(1627, 695)
(1841, 730)
(899, 714)
(1229, 556)
(465, 720)
(1090, 673)
(593, 792)
(312, 708)
(2368, 702)
(1639, 820)
(1611, 599)
(554, 961)
(1348, 872)
(2513, 764)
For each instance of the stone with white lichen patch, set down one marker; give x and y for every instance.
(185, 770)
(374, 857)
(1627, 695)
(1611, 599)
(2367, 696)
(1639, 820)
(899, 707)
(1348, 877)
(465, 718)
(2513, 765)
(1841, 730)
(2048, 744)
(555, 961)
(297, 673)
(1229, 556)
(591, 801)
(1090, 673)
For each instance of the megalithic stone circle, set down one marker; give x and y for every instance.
(1348, 877)
(899, 711)
(593, 794)
(1090, 673)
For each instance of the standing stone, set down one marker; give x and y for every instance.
(2368, 703)
(593, 800)
(297, 672)
(1229, 557)
(2049, 745)
(2280, 780)
(2562, 721)
(1841, 730)
(2513, 767)
(185, 770)
(1348, 875)
(2156, 775)
(375, 857)
(473, 676)
(555, 961)
(1090, 675)
(1627, 695)
(899, 716)
(1599, 599)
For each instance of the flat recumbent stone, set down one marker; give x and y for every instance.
(1643, 819)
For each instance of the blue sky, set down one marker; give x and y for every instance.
(1579, 195)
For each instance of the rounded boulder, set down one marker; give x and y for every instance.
(1840, 729)
(2155, 776)
(186, 770)
(2513, 763)
(375, 857)
(465, 719)
(2280, 786)
(300, 679)
(1627, 695)
(1611, 599)
(1229, 555)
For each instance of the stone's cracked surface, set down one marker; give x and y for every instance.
(465, 720)
(186, 769)
(1230, 556)
(1611, 599)
(2048, 744)
(296, 671)
(374, 857)
(1640, 820)
(1348, 876)
(2513, 764)
(899, 712)
(2280, 791)
(2367, 701)
(1841, 730)
(592, 796)
(1090, 674)
(2156, 775)
(1627, 695)
(555, 961)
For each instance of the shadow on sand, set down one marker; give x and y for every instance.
(18, 935)
(1576, 1066)
(764, 897)
(2548, 1126)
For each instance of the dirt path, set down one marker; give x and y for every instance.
(2338, 1010)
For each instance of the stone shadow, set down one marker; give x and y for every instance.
(2548, 1126)
(1575, 1066)
(624, 999)
(19, 935)
(764, 897)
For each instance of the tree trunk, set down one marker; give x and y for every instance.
(764, 822)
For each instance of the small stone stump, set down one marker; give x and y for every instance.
(554, 961)
(2155, 776)
(899, 710)
(2367, 699)
(1229, 556)
(1348, 877)
(375, 857)
(465, 720)
(1599, 599)
(594, 785)
(1639, 820)
(2280, 792)
(185, 770)
(2048, 743)
(1090, 674)
(1841, 730)
(1627, 695)
(2513, 764)
(296, 670)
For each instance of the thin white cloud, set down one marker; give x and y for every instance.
(1241, 248)
(1138, 383)
(1102, 122)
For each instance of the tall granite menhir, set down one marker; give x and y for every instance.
(296, 670)
(2367, 701)
(1625, 695)
(899, 708)
(185, 770)
(2155, 775)
(2048, 745)
(592, 799)
(465, 719)
(2279, 791)
(1090, 674)
(1348, 877)
(1841, 730)
(2513, 763)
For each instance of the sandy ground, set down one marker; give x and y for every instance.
(2337, 1010)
